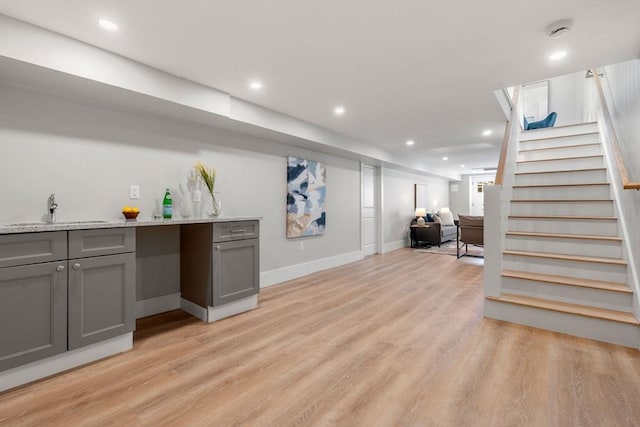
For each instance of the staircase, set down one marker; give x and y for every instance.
(564, 264)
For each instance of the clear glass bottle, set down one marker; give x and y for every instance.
(167, 205)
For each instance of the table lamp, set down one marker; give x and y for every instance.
(421, 213)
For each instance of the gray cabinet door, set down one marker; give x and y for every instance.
(86, 243)
(101, 298)
(235, 270)
(32, 248)
(33, 313)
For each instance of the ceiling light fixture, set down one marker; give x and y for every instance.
(461, 166)
(410, 142)
(108, 25)
(559, 28)
(255, 85)
(487, 132)
(338, 111)
(445, 158)
(556, 56)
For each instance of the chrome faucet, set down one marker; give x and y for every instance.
(52, 205)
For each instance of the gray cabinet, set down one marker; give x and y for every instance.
(235, 270)
(219, 262)
(102, 289)
(33, 312)
(101, 298)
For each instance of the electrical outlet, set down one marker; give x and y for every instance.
(134, 191)
(197, 196)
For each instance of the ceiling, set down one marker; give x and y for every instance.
(403, 69)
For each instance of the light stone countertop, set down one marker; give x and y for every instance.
(35, 227)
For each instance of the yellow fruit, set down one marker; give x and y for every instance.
(135, 210)
(127, 209)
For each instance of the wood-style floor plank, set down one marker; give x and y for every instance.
(394, 340)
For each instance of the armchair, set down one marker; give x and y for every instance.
(471, 232)
(547, 122)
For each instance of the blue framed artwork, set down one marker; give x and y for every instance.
(306, 191)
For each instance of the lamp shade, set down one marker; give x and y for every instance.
(443, 210)
(421, 211)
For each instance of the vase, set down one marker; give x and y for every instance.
(215, 205)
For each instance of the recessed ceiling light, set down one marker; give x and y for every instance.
(445, 158)
(461, 166)
(556, 56)
(487, 132)
(410, 142)
(338, 111)
(255, 85)
(108, 25)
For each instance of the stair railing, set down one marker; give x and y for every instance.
(509, 129)
(627, 183)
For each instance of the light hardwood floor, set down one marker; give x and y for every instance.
(394, 340)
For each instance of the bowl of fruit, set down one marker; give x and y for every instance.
(130, 212)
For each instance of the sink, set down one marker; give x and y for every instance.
(35, 223)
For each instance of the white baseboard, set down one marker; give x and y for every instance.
(232, 308)
(392, 246)
(61, 362)
(193, 309)
(279, 275)
(161, 304)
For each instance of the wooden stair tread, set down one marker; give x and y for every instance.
(558, 147)
(525, 133)
(561, 200)
(563, 236)
(565, 217)
(612, 261)
(566, 280)
(565, 307)
(560, 185)
(560, 158)
(562, 171)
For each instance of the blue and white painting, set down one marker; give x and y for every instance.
(306, 191)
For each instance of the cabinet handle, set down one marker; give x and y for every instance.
(60, 268)
(217, 247)
(76, 266)
(238, 230)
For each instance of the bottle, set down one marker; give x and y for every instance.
(167, 205)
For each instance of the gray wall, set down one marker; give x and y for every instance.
(88, 154)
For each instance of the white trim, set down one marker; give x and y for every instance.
(279, 275)
(193, 309)
(392, 246)
(64, 361)
(232, 308)
(161, 304)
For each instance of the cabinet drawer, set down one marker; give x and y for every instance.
(87, 243)
(31, 248)
(236, 230)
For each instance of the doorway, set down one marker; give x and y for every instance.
(370, 210)
(476, 193)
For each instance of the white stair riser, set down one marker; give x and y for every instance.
(579, 247)
(563, 193)
(587, 327)
(583, 270)
(559, 131)
(559, 165)
(604, 208)
(572, 294)
(578, 177)
(556, 142)
(582, 226)
(561, 153)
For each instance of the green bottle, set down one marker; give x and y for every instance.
(167, 205)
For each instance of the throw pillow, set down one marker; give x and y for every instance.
(447, 218)
(429, 217)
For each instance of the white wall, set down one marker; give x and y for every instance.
(88, 155)
(573, 98)
(398, 208)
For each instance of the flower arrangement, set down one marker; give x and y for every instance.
(207, 175)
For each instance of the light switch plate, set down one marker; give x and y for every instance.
(197, 196)
(134, 191)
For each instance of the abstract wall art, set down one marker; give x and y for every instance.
(306, 191)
